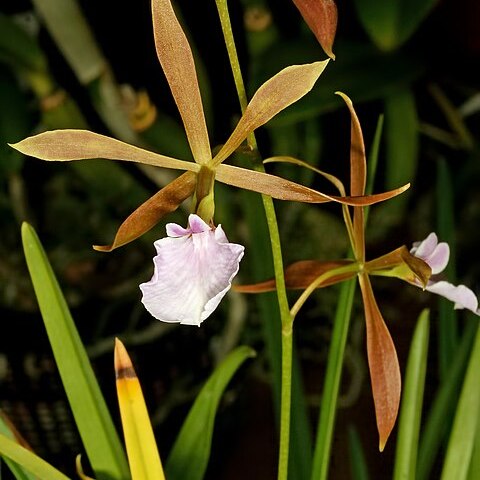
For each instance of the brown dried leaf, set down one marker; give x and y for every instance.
(383, 363)
(176, 58)
(300, 275)
(283, 189)
(276, 94)
(66, 145)
(147, 215)
(321, 16)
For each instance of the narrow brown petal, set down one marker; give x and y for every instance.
(147, 215)
(300, 275)
(66, 145)
(383, 363)
(283, 189)
(321, 16)
(176, 58)
(358, 176)
(276, 94)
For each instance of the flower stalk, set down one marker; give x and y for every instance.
(286, 317)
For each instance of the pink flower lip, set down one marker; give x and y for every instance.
(436, 255)
(194, 268)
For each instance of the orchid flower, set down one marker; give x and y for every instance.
(310, 274)
(436, 256)
(419, 266)
(194, 268)
(176, 59)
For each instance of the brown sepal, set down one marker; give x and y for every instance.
(300, 275)
(383, 364)
(321, 16)
(147, 215)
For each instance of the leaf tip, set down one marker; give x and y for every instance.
(122, 362)
(103, 248)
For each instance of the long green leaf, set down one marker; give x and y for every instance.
(447, 321)
(191, 451)
(25, 458)
(462, 438)
(92, 417)
(436, 426)
(323, 445)
(475, 462)
(401, 135)
(389, 23)
(358, 462)
(17, 470)
(412, 400)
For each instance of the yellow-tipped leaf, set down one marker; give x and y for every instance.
(142, 451)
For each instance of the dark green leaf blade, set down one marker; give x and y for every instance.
(191, 451)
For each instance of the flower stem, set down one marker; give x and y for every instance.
(285, 316)
(224, 16)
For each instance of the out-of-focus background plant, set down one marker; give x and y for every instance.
(93, 65)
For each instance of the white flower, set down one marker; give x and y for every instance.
(194, 268)
(436, 255)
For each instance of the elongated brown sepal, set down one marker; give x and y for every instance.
(358, 176)
(67, 145)
(283, 189)
(300, 275)
(147, 215)
(383, 364)
(176, 58)
(321, 16)
(276, 94)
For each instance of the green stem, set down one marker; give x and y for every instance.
(224, 16)
(285, 316)
(352, 268)
(286, 400)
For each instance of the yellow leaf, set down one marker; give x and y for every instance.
(142, 451)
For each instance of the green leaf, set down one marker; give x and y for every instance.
(447, 316)
(191, 451)
(437, 423)
(412, 400)
(86, 401)
(401, 135)
(29, 460)
(333, 375)
(17, 470)
(390, 23)
(72, 34)
(358, 468)
(462, 439)
(18, 48)
(360, 70)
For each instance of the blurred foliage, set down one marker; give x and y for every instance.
(410, 60)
